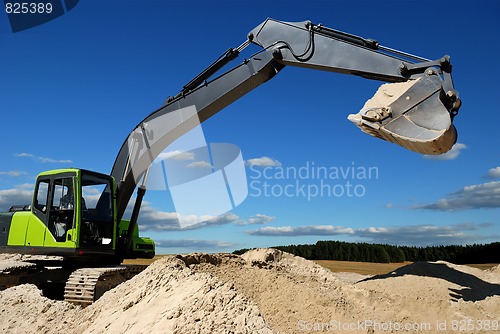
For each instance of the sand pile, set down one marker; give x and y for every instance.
(267, 291)
(23, 309)
(495, 269)
(168, 297)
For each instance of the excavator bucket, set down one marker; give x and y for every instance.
(410, 114)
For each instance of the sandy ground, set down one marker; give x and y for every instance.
(267, 291)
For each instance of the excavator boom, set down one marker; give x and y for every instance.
(415, 110)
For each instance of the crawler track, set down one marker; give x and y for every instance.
(86, 285)
(15, 272)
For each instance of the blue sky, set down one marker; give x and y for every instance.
(72, 90)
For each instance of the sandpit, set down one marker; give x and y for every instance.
(268, 291)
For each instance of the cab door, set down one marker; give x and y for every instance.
(53, 211)
(61, 216)
(98, 221)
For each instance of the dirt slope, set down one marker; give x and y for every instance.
(267, 291)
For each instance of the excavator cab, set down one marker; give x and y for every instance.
(72, 212)
(73, 215)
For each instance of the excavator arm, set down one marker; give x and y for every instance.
(415, 111)
(416, 115)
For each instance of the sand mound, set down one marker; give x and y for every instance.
(170, 298)
(268, 256)
(293, 265)
(23, 309)
(265, 291)
(466, 283)
(495, 269)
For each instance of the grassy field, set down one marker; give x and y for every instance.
(363, 268)
(142, 261)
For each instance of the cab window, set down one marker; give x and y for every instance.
(62, 212)
(42, 196)
(97, 210)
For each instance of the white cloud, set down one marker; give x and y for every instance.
(43, 159)
(152, 219)
(257, 220)
(263, 162)
(418, 235)
(494, 173)
(21, 195)
(13, 173)
(54, 161)
(302, 230)
(176, 155)
(226, 218)
(422, 235)
(157, 220)
(450, 155)
(199, 164)
(194, 243)
(24, 155)
(477, 196)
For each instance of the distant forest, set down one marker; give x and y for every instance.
(364, 252)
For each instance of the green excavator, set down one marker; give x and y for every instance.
(76, 215)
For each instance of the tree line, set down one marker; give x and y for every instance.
(382, 253)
